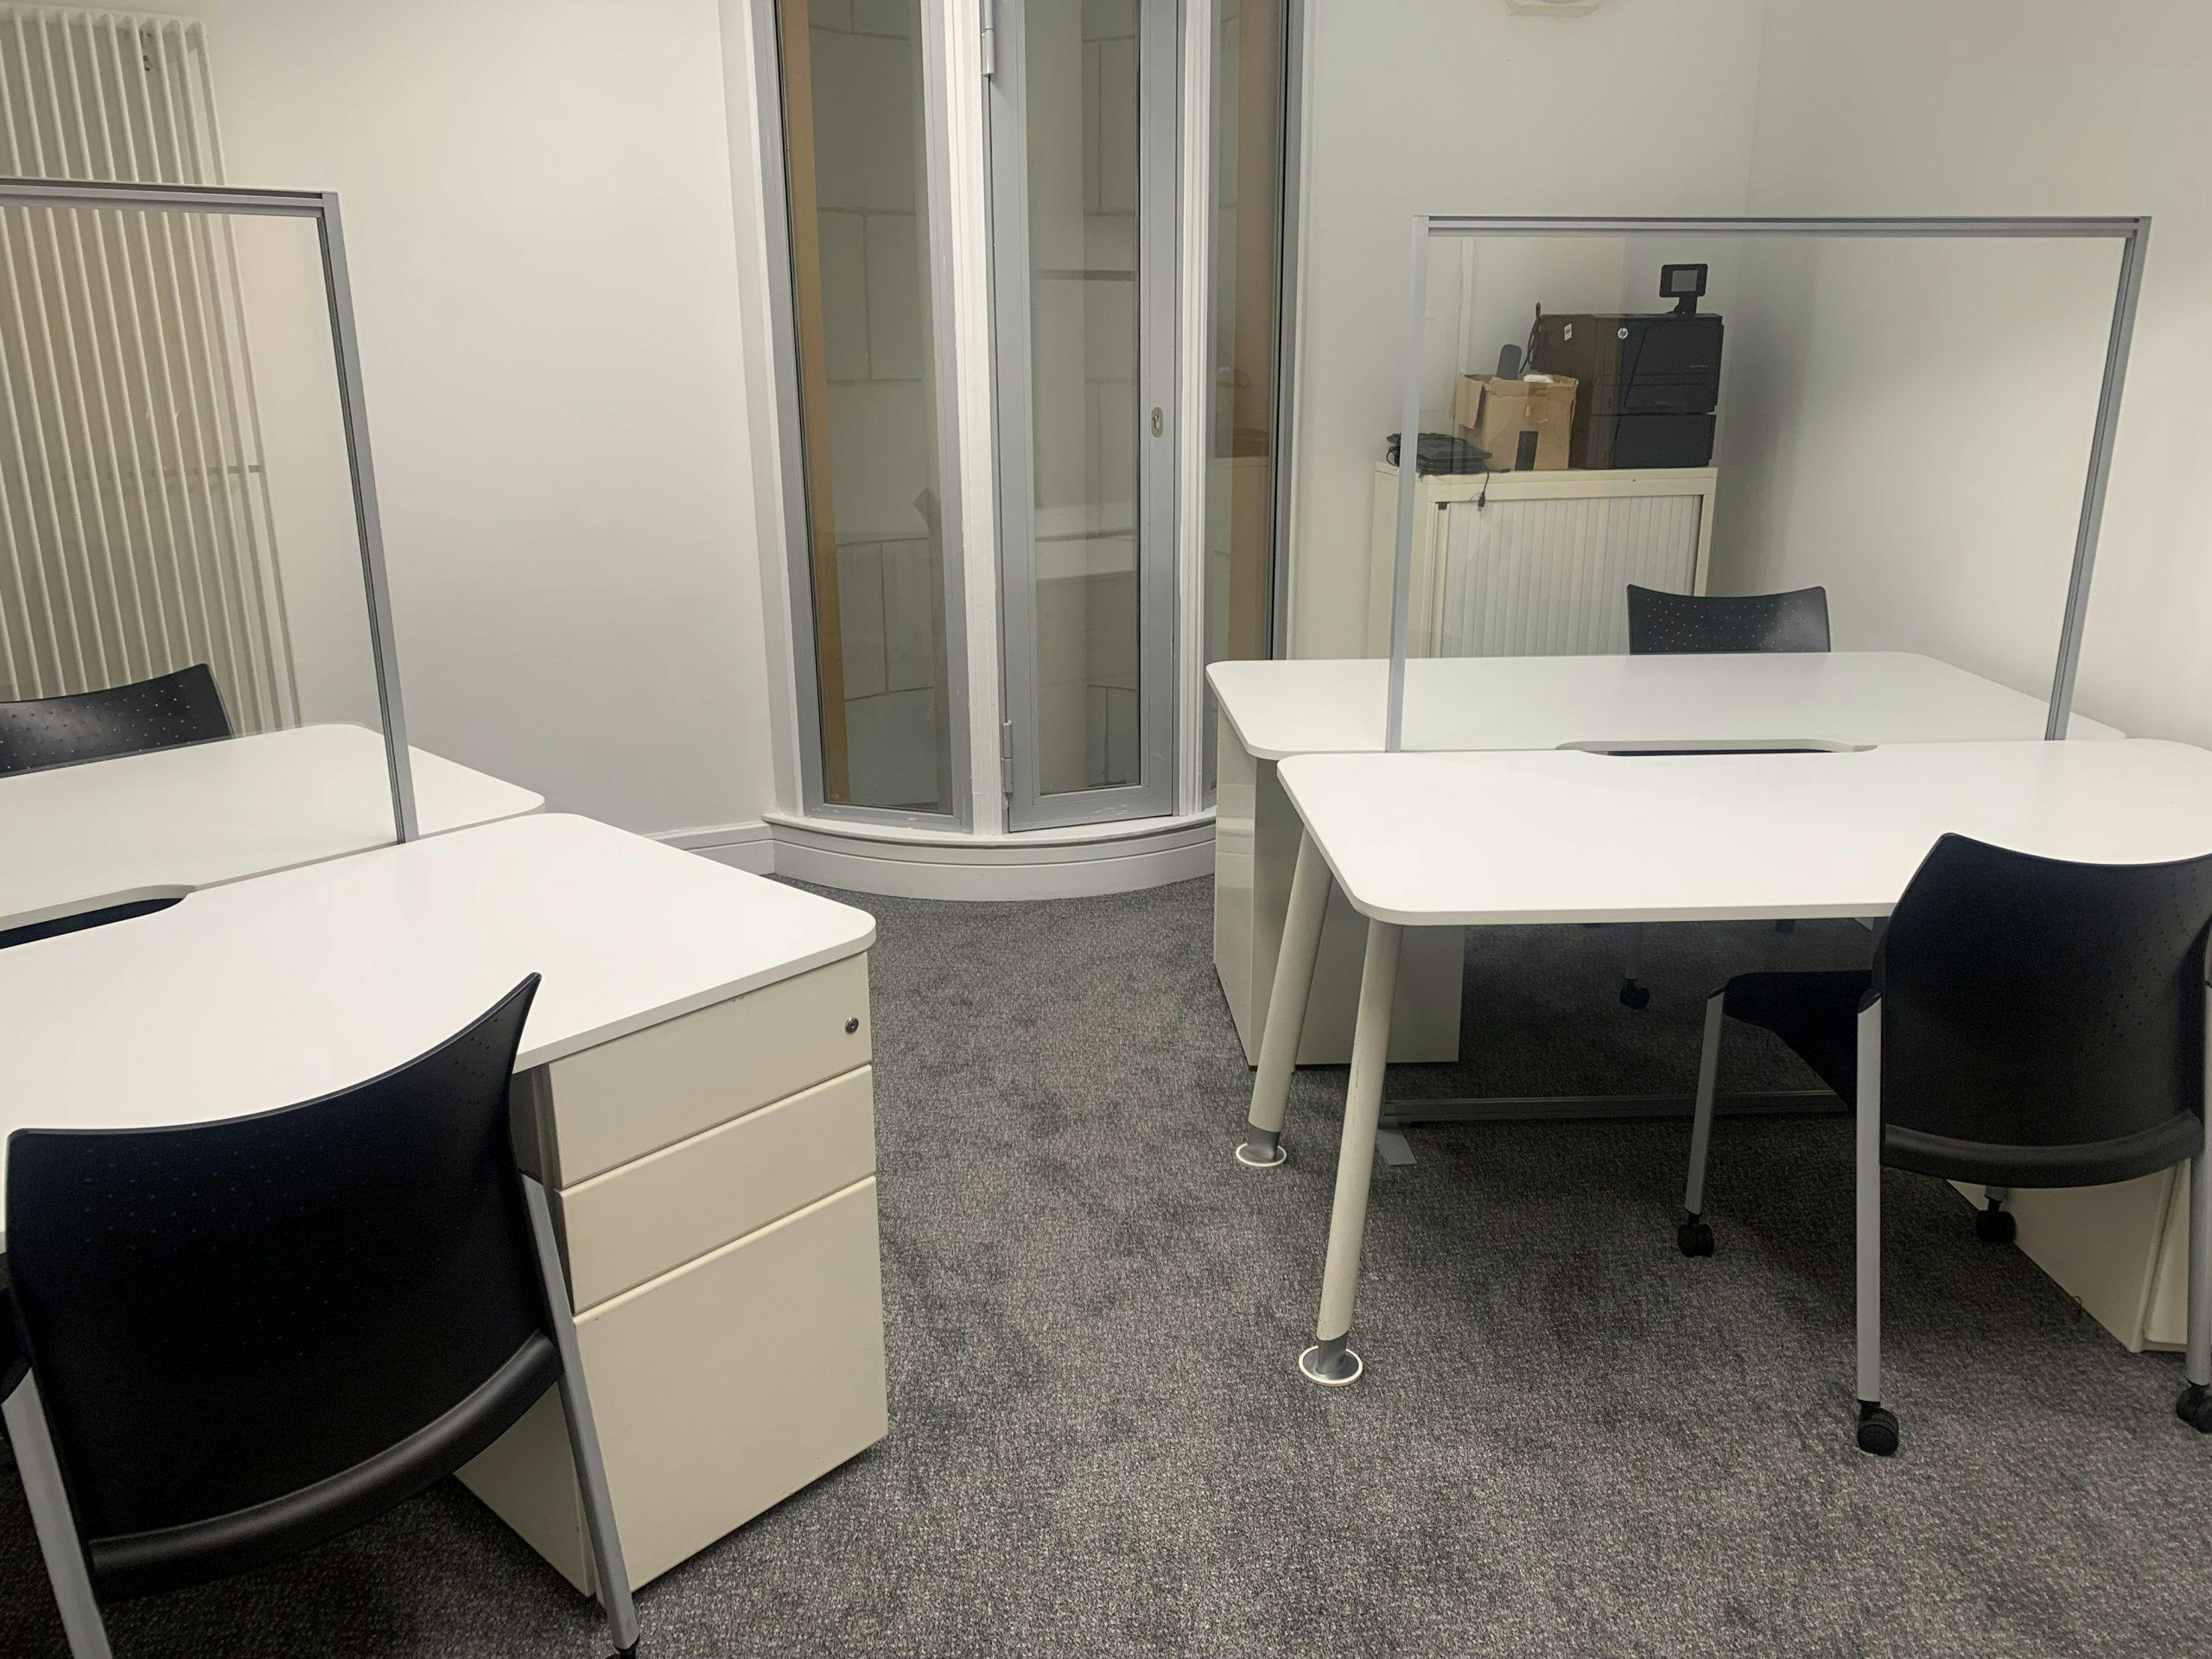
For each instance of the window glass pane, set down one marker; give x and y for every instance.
(1244, 322)
(1080, 67)
(856, 164)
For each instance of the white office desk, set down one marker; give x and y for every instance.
(1273, 710)
(1472, 840)
(694, 1088)
(169, 821)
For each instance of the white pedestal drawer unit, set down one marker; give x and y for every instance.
(713, 1180)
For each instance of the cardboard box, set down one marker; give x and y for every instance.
(1526, 424)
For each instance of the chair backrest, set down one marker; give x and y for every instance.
(185, 707)
(228, 1315)
(2031, 1003)
(1665, 623)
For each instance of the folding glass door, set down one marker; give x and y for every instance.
(1083, 138)
(861, 88)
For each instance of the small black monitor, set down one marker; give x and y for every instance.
(1684, 284)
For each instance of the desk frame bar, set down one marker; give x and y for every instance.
(321, 206)
(1532, 1108)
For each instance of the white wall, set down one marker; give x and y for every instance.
(2040, 106)
(537, 205)
(1645, 106)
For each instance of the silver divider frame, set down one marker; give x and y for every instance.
(339, 291)
(321, 206)
(2134, 233)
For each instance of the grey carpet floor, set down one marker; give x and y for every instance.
(1570, 1438)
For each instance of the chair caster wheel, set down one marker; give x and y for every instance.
(2194, 1408)
(1995, 1226)
(1878, 1430)
(1694, 1237)
(1634, 996)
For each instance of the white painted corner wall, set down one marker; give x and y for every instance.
(538, 207)
(2038, 107)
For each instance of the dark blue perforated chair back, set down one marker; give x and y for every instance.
(157, 713)
(254, 1334)
(1662, 624)
(2042, 1018)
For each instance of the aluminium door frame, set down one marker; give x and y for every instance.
(1160, 48)
(788, 432)
(321, 206)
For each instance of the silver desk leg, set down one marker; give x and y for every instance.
(1330, 1359)
(1301, 945)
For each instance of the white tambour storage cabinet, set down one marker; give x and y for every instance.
(713, 1181)
(1533, 564)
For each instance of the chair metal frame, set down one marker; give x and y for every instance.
(64, 1551)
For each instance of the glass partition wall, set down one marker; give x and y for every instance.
(1911, 416)
(187, 522)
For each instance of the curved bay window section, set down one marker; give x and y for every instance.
(871, 323)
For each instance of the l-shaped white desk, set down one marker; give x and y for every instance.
(693, 1086)
(1271, 711)
(168, 821)
(1429, 842)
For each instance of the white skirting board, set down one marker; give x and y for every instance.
(1053, 864)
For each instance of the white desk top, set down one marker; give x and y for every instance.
(1282, 708)
(1439, 840)
(170, 821)
(266, 993)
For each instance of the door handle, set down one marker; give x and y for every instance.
(1159, 421)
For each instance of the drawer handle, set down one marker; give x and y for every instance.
(852, 1026)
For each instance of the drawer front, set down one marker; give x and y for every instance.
(658, 1213)
(654, 1088)
(718, 1391)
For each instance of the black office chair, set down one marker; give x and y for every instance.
(1661, 624)
(242, 1339)
(185, 707)
(2026, 1022)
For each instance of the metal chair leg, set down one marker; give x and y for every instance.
(1693, 1237)
(1878, 1429)
(2195, 1405)
(1993, 1223)
(583, 1436)
(50, 1515)
(1634, 993)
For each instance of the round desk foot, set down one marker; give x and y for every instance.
(1263, 1151)
(2194, 1408)
(1330, 1363)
